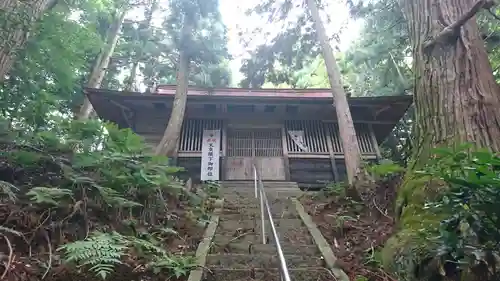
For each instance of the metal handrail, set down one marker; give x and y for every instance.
(265, 210)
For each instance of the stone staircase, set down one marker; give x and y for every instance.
(237, 252)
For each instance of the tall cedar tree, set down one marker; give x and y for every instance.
(456, 101)
(199, 22)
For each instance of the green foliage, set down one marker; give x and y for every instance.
(49, 196)
(77, 165)
(211, 188)
(179, 266)
(335, 189)
(470, 235)
(450, 223)
(100, 253)
(384, 169)
(284, 54)
(361, 278)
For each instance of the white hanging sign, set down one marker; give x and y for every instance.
(210, 151)
(298, 139)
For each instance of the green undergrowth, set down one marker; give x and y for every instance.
(92, 199)
(447, 218)
(449, 222)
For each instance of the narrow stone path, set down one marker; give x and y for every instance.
(237, 252)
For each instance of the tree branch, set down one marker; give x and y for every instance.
(493, 14)
(452, 30)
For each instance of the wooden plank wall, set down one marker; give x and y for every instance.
(311, 171)
(323, 162)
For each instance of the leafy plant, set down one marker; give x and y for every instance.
(100, 253)
(341, 220)
(211, 188)
(335, 189)
(385, 169)
(48, 195)
(470, 235)
(179, 266)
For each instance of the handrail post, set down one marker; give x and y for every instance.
(255, 180)
(263, 221)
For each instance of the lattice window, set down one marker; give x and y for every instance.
(314, 136)
(363, 133)
(364, 138)
(192, 133)
(254, 142)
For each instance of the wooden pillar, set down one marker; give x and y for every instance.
(329, 143)
(285, 152)
(374, 142)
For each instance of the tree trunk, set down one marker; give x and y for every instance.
(168, 143)
(456, 101)
(130, 85)
(348, 137)
(101, 64)
(20, 17)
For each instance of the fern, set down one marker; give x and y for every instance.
(113, 198)
(146, 247)
(101, 252)
(179, 266)
(8, 189)
(49, 195)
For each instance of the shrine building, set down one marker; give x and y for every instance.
(292, 134)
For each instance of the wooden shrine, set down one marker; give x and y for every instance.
(293, 134)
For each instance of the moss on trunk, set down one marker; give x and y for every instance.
(456, 101)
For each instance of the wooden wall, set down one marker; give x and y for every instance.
(311, 172)
(192, 166)
(322, 163)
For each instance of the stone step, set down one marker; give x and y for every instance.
(251, 182)
(266, 274)
(269, 194)
(230, 226)
(253, 216)
(245, 261)
(232, 204)
(267, 249)
(298, 236)
(267, 187)
(250, 214)
(251, 190)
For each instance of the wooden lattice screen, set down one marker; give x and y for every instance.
(364, 138)
(314, 136)
(192, 133)
(254, 142)
(363, 133)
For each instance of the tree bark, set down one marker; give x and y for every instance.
(168, 143)
(14, 32)
(456, 101)
(130, 85)
(456, 96)
(348, 136)
(99, 69)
